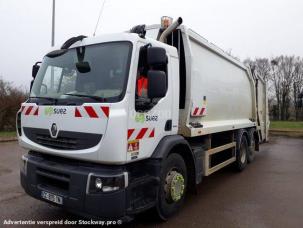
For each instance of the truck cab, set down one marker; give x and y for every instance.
(93, 105)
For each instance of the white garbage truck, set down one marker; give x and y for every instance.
(122, 123)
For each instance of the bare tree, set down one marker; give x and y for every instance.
(260, 66)
(10, 100)
(283, 75)
(298, 87)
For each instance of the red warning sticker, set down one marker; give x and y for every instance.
(133, 146)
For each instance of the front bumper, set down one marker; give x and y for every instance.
(68, 179)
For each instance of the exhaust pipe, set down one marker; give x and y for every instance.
(170, 29)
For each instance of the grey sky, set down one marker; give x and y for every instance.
(259, 28)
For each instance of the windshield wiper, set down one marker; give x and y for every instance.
(47, 98)
(96, 98)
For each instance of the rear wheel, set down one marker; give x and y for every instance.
(173, 186)
(252, 145)
(241, 151)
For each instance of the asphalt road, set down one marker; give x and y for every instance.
(268, 193)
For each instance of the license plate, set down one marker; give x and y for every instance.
(52, 197)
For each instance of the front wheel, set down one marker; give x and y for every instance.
(173, 186)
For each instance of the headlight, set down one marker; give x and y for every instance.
(23, 164)
(97, 183)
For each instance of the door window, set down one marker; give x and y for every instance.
(142, 102)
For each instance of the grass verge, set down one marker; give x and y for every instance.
(7, 133)
(287, 125)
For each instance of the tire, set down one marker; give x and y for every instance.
(241, 151)
(252, 145)
(169, 201)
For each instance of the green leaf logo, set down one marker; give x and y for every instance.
(140, 118)
(48, 111)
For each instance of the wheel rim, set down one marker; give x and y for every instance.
(243, 154)
(174, 186)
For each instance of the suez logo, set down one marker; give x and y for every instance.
(141, 118)
(48, 111)
(154, 116)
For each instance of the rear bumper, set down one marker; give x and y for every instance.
(68, 179)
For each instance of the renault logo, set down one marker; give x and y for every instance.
(54, 130)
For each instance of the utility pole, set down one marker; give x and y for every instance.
(53, 42)
(53, 23)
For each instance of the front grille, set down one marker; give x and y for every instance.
(66, 140)
(57, 143)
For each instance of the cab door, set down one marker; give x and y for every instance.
(151, 119)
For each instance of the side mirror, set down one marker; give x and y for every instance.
(35, 69)
(156, 56)
(83, 67)
(157, 84)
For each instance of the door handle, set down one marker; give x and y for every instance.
(168, 125)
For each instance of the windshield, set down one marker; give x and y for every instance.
(85, 73)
